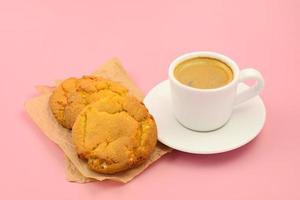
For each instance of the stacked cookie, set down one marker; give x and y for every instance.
(111, 130)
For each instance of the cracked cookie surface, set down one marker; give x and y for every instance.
(114, 134)
(73, 94)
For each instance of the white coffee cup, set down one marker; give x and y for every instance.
(210, 109)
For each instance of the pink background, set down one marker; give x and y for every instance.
(41, 41)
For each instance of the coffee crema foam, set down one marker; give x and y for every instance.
(203, 73)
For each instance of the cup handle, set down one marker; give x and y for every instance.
(251, 92)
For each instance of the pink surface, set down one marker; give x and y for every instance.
(41, 41)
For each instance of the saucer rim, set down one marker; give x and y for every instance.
(183, 149)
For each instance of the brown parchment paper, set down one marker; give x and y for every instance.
(76, 169)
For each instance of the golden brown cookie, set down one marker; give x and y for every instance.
(114, 134)
(73, 94)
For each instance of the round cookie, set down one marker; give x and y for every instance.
(114, 134)
(73, 94)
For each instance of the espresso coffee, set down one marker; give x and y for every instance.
(203, 73)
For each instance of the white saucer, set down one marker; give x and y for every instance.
(245, 124)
